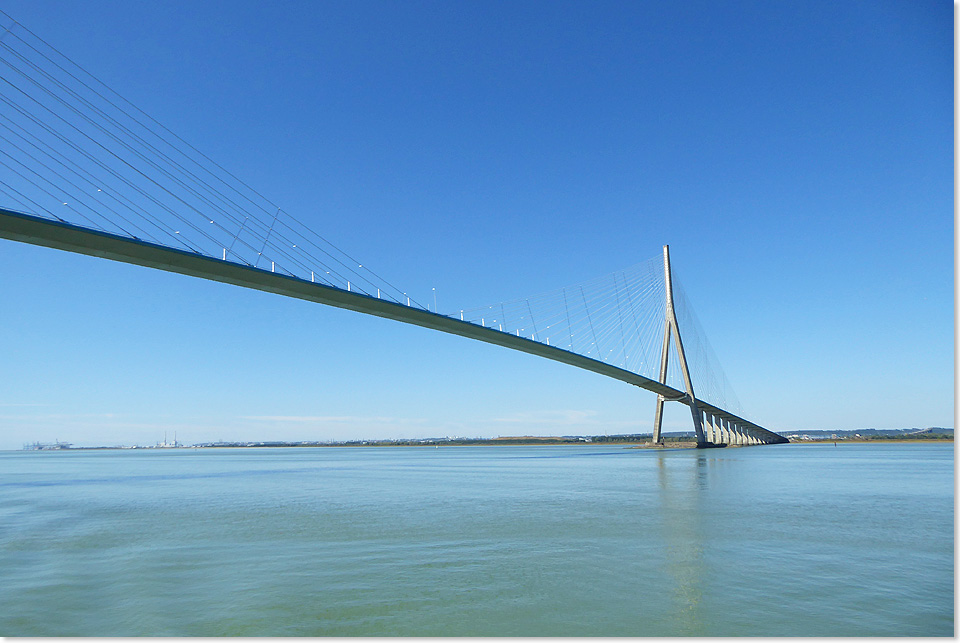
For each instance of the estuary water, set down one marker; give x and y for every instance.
(786, 540)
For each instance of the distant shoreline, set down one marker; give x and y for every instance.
(623, 441)
(877, 441)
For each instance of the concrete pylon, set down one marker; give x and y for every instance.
(670, 328)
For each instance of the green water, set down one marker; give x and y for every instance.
(789, 540)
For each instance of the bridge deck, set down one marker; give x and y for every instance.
(64, 236)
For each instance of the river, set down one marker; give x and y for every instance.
(785, 540)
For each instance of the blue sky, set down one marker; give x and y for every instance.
(796, 156)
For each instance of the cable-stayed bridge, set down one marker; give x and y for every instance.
(83, 170)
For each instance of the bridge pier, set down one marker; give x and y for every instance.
(714, 429)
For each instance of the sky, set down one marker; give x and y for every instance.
(796, 156)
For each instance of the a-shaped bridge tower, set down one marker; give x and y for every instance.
(713, 426)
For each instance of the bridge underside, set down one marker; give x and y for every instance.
(720, 426)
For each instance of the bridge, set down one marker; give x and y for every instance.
(84, 171)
